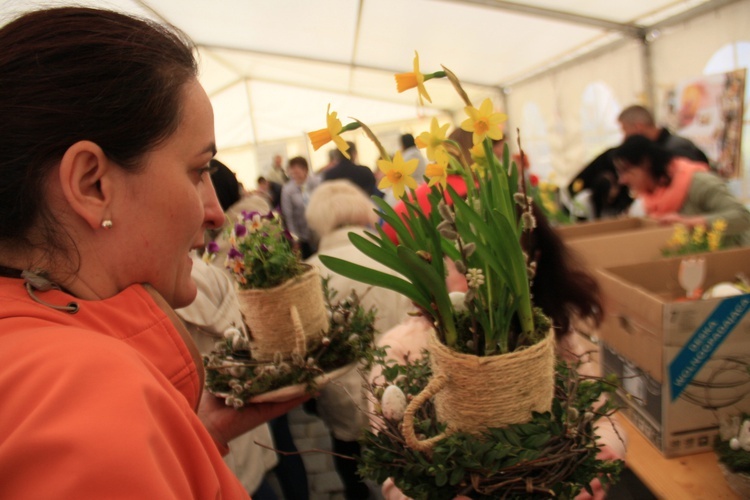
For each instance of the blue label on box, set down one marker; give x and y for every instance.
(706, 339)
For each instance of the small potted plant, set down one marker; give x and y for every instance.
(492, 414)
(281, 298)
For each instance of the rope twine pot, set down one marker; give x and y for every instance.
(474, 393)
(289, 318)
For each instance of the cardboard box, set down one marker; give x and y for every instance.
(682, 363)
(620, 248)
(602, 227)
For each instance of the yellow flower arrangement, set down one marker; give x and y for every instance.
(481, 232)
(685, 241)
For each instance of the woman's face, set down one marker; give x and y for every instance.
(166, 207)
(297, 174)
(637, 178)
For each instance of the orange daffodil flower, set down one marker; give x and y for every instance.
(332, 132)
(433, 141)
(406, 81)
(483, 122)
(398, 174)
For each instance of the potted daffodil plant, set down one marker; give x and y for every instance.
(491, 354)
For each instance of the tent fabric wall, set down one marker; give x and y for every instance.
(680, 51)
(271, 68)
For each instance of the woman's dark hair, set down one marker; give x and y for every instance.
(225, 183)
(642, 152)
(562, 288)
(71, 74)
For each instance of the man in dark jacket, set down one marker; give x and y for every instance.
(348, 169)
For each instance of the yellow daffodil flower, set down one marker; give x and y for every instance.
(719, 225)
(714, 240)
(699, 232)
(406, 81)
(333, 128)
(433, 141)
(398, 174)
(680, 235)
(437, 173)
(483, 122)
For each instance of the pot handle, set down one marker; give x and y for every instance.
(300, 343)
(434, 386)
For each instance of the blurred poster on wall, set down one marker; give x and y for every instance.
(708, 111)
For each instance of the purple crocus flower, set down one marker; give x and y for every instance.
(240, 230)
(234, 254)
(212, 247)
(249, 215)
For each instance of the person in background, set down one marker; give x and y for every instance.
(215, 306)
(344, 168)
(677, 190)
(233, 200)
(276, 173)
(409, 151)
(270, 191)
(295, 195)
(637, 120)
(105, 152)
(598, 181)
(336, 209)
(214, 311)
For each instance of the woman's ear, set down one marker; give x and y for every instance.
(84, 179)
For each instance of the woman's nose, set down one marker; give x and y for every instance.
(213, 215)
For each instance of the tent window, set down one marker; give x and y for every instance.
(535, 141)
(599, 112)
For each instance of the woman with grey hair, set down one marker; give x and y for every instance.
(336, 209)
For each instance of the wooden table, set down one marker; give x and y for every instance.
(689, 477)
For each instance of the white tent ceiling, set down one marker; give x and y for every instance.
(272, 67)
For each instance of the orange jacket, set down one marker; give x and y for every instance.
(101, 403)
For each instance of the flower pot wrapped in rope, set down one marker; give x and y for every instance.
(475, 393)
(281, 298)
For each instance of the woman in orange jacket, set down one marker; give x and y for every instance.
(105, 145)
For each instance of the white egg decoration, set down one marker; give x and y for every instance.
(723, 289)
(393, 403)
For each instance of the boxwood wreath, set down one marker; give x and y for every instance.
(553, 455)
(231, 373)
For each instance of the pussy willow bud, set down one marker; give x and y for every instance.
(460, 266)
(424, 255)
(445, 225)
(520, 199)
(469, 249)
(448, 234)
(529, 222)
(445, 211)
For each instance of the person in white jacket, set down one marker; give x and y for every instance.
(337, 208)
(215, 310)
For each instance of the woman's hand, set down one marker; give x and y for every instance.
(391, 492)
(225, 423)
(606, 453)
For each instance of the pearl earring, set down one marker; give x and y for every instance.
(107, 224)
